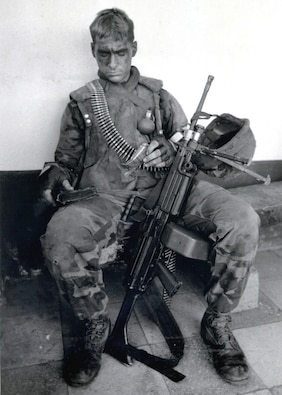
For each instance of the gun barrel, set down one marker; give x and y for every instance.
(203, 98)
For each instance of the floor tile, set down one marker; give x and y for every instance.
(263, 348)
(115, 379)
(136, 335)
(31, 339)
(43, 379)
(278, 252)
(265, 313)
(201, 377)
(186, 309)
(277, 390)
(273, 290)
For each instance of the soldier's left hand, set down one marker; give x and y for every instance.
(160, 153)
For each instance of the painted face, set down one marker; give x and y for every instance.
(114, 58)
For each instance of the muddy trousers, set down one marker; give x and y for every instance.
(77, 235)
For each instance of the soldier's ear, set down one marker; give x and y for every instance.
(134, 48)
(93, 49)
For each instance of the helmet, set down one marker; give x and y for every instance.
(229, 135)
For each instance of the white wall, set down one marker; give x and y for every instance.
(45, 54)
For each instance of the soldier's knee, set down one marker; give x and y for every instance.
(246, 230)
(64, 237)
(70, 230)
(249, 221)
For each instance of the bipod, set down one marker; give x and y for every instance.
(119, 347)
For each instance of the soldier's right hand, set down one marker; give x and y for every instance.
(51, 180)
(47, 194)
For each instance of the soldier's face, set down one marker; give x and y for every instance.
(114, 58)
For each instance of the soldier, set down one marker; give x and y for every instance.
(78, 233)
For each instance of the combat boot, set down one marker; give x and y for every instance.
(83, 362)
(228, 358)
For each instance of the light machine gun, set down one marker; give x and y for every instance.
(157, 233)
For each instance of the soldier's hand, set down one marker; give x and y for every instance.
(52, 179)
(160, 153)
(47, 194)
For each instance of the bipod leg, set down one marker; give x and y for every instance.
(119, 347)
(117, 342)
(165, 320)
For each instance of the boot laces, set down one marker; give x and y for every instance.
(222, 331)
(96, 332)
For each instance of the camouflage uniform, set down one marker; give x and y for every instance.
(76, 236)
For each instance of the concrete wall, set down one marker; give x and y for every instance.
(45, 54)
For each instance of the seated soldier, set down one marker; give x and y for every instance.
(77, 233)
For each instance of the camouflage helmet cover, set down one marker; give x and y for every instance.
(230, 135)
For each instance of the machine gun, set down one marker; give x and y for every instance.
(157, 234)
(146, 262)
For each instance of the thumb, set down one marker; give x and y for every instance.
(67, 186)
(47, 196)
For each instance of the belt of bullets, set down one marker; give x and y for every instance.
(169, 260)
(111, 134)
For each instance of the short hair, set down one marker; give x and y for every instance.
(112, 22)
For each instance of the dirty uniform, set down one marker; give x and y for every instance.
(81, 237)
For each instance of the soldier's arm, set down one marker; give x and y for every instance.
(161, 151)
(69, 153)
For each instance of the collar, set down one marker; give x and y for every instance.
(129, 85)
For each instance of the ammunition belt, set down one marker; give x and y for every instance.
(112, 136)
(106, 125)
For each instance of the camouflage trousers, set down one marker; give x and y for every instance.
(78, 235)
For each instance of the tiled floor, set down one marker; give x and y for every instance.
(32, 342)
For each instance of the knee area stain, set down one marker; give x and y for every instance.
(245, 221)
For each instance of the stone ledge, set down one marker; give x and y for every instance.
(267, 201)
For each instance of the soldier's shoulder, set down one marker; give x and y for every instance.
(81, 94)
(153, 84)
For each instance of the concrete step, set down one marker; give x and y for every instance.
(267, 201)
(270, 237)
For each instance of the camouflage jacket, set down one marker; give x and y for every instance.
(82, 148)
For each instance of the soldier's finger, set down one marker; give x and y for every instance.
(152, 146)
(66, 184)
(47, 196)
(153, 158)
